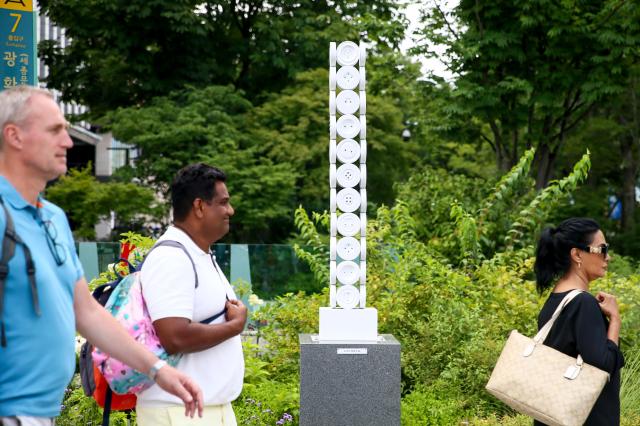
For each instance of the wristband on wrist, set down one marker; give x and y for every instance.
(153, 371)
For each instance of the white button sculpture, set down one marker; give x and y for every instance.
(348, 317)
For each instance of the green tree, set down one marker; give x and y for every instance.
(209, 125)
(612, 133)
(531, 71)
(275, 154)
(86, 201)
(291, 127)
(124, 52)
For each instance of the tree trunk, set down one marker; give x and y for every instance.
(629, 173)
(504, 163)
(544, 161)
(630, 160)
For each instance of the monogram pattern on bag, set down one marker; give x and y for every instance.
(536, 386)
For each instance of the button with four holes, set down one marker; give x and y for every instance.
(348, 78)
(348, 175)
(348, 200)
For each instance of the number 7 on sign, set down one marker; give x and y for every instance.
(18, 17)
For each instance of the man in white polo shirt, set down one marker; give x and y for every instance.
(178, 301)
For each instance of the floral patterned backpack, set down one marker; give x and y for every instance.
(126, 303)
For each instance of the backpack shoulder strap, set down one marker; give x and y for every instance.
(9, 240)
(8, 249)
(176, 244)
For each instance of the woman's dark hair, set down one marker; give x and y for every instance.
(553, 254)
(191, 182)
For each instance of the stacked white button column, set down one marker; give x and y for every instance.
(347, 175)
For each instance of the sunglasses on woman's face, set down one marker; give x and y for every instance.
(602, 249)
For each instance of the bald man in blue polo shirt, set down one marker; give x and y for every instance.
(39, 317)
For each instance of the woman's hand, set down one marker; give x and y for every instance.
(608, 305)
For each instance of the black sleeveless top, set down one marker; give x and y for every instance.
(581, 329)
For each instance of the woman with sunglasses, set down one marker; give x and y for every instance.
(569, 257)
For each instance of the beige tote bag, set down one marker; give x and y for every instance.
(544, 383)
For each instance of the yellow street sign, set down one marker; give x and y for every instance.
(22, 5)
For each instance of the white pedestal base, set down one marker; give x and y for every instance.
(348, 324)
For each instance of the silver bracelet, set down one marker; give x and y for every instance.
(153, 371)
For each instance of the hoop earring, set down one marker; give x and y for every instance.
(579, 265)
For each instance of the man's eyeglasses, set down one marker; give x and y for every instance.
(602, 249)
(56, 249)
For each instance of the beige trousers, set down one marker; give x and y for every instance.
(214, 415)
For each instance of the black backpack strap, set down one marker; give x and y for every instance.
(216, 316)
(171, 243)
(176, 244)
(8, 248)
(9, 241)
(224, 310)
(106, 412)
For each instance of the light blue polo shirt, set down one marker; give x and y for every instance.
(39, 359)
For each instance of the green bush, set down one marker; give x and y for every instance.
(450, 288)
(630, 385)
(78, 409)
(432, 406)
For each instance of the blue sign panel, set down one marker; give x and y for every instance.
(17, 43)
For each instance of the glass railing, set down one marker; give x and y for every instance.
(270, 269)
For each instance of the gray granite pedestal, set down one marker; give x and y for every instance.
(349, 383)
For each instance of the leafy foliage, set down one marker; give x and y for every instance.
(291, 127)
(78, 409)
(124, 53)
(547, 200)
(451, 312)
(208, 125)
(273, 154)
(487, 218)
(529, 72)
(86, 200)
(317, 252)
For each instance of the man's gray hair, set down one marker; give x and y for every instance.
(13, 105)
